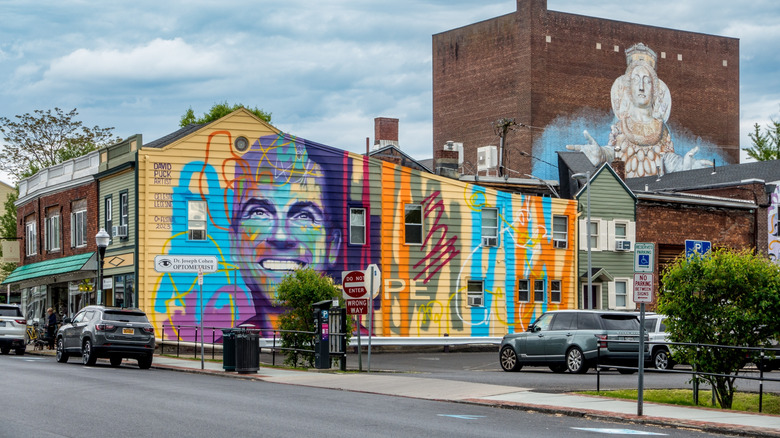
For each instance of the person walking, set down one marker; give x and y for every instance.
(51, 327)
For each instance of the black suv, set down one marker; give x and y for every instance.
(99, 331)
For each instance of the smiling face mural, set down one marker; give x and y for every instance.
(455, 258)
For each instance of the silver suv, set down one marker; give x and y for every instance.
(98, 331)
(660, 353)
(13, 329)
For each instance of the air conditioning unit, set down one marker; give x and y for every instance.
(450, 146)
(122, 231)
(560, 244)
(490, 241)
(197, 234)
(487, 158)
(623, 245)
(475, 301)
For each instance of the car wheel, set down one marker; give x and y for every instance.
(116, 361)
(87, 355)
(508, 359)
(575, 361)
(20, 351)
(5, 350)
(661, 359)
(558, 368)
(145, 362)
(62, 356)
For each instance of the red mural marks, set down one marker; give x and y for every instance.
(444, 250)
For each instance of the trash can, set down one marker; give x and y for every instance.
(247, 351)
(228, 349)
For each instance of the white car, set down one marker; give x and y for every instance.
(13, 329)
(660, 354)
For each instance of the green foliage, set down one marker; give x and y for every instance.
(8, 229)
(218, 111)
(726, 298)
(766, 146)
(296, 293)
(45, 138)
(743, 401)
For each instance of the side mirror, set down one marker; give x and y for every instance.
(537, 329)
(67, 320)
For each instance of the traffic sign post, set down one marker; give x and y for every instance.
(644, 261)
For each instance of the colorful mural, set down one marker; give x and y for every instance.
(271, 203)
(637, 131)
(773, 223)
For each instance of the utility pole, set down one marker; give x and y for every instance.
(500, 127)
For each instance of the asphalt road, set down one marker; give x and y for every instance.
(47, 399)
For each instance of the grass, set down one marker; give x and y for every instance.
(743, 401)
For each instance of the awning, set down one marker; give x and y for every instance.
(597, 274)
(61, 269)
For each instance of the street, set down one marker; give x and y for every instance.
(50, 399)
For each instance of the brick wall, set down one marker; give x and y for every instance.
(385, 129)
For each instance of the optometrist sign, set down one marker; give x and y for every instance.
(185, 263)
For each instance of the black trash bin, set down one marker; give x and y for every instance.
(247, 351)
(228, 349)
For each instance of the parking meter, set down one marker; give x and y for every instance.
(321, 330)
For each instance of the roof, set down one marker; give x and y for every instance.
(172, 137)
(391, 149)
(58, 266)
(766, 171)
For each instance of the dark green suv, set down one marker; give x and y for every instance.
(573, 340)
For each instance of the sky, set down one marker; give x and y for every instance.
(323, 69)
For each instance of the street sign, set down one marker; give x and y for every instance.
(357, 307)
(185, 263)
(694, 248)
(644, 254)
(643, 288)
(354, 284)
(373, 271)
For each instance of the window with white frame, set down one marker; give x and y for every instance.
(196, 219)
(31, 237)
(78, 223)
(123, 209)
(476, 293)
(524, 290)
(555, 291)
(413, 224)
(560, 231)
(53, 231)
(489, 227)
(593, 234)
(109, 215)
(357, 226)
(539, 291)
(620, 231)
(621, 294)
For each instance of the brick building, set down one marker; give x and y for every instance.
(552, 72)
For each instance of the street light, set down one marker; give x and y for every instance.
(586, 177)
(101, 239)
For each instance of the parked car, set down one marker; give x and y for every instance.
(13, 329)
(573, 340)
(98, 331)
(660, 353)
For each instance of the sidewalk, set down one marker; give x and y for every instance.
(431, 388)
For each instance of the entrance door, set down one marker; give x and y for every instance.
(591, 300)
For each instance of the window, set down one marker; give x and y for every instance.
(30, 237)
(489, 227)
(53, 232)
(196, 219)
(539, 291)
(560, 231)
(523, 291)
(620, 231)
(413, 224)
(593, 234)
(564, 321)
(78, 223)
(476, 293)
(620, 294)
(555, 291)
(357, 226)
(109, 215)
(124, 288)
(123, 209)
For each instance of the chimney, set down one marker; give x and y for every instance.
(619, 167)
(385, 132)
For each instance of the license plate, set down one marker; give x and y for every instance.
(630, 338)
(127, 331)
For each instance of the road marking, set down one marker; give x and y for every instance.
(462, 417)
(618, 431)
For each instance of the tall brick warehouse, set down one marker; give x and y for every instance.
(552, 73)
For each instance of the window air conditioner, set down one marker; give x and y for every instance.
(475, 301)
(623, 245)
(490, 241)
(122, 231)
(197, 234)
(561, 244)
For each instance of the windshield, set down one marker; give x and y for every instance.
(10, 311)
(620, 322)
(125, 316)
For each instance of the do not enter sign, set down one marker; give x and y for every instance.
(354, 284)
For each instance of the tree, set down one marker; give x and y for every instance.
(723, 298)
(766, 146)
(296, 293)
(45, 138)
(8, 230)
(218, 111)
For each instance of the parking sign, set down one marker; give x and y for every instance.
(644, 254)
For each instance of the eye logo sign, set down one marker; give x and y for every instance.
(185, 263)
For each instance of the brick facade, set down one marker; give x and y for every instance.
(534, 65)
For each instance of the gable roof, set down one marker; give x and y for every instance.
(766, 171)
(607, 169)
(392, 151)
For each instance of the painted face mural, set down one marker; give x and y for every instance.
(639, 134)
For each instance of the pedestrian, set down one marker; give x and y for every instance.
(51, 327)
